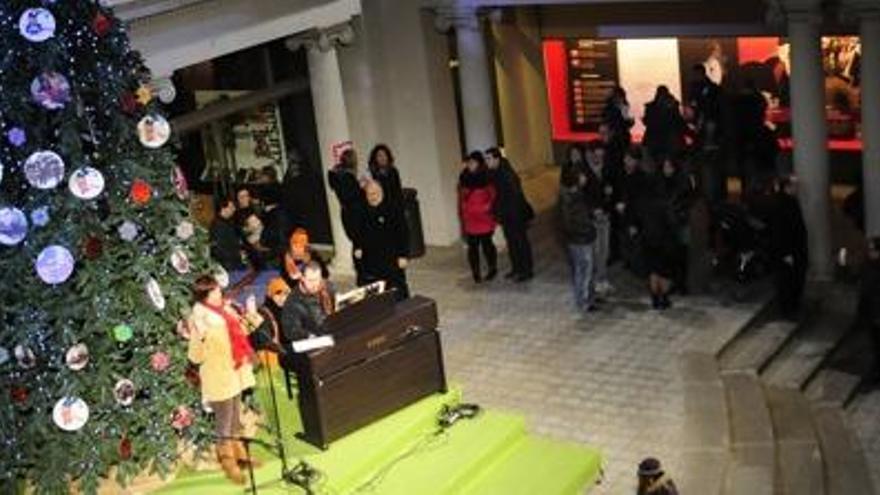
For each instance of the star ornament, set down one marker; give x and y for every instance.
(144, 95)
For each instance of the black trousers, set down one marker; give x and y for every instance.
(790, 280)
(875, 335)
(484, 241)
(518, 247)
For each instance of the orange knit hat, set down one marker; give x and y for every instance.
(299, 240)
(276, 286)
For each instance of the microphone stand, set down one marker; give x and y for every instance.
(278, 433)
(289, 476)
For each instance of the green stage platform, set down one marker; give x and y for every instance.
(403, 454)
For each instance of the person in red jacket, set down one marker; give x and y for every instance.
(476, 202)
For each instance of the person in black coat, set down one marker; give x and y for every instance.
(576, 217)
(276, 230)
(788, 246)
(653, 480)
(629, 197)
(309, 302)
(514, 213)
(343, 179)
(664, 126)
(267, 335)
(380, 242)
(679, 191)
(245, 205)
(704, 100)
(226, 246)
(661, 244)
(617, 116)
(869, 298)
(383, 171)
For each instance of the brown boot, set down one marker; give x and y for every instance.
(226, 457)
(241, 455)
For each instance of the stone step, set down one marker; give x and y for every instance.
(755, 347)
(705, 404)
(705, 444)
(798, 457)
(752, 465)
(846, 472)
(702, 472)
(844, 371)
(803, 355)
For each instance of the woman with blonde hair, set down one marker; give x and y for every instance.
(219, 345)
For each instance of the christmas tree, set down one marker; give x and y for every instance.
(96, 257)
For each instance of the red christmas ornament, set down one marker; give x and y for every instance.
(128, 103)
(141, 192)
(160, 361)
(124, 449)
(19, 395)
(101, 24)
(181, 418)
(192, 376)
(92, 247)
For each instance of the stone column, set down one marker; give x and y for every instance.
(477, 105)
(362, 85)
(332, 123)
(869, 30)
(810, 133)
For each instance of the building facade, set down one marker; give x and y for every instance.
(438, 77)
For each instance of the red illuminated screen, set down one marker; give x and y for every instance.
(641, 65)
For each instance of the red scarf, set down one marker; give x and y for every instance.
(241, 347)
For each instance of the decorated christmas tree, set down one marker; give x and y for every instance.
(96, 257)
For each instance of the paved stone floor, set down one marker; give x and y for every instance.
(864, 419)
(608, 379)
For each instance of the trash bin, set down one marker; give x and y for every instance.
(413, 216)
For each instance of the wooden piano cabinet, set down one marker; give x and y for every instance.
(401, 361)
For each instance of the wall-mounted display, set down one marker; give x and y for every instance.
(581, 72)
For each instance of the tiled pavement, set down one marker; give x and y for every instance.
(864, 419)
(608, 379)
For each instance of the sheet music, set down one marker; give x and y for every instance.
(312, 343)
(358, 294)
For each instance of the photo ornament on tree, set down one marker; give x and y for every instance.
(51, 90)
(153, 131)
(44, 169)
(54, 265)
(36, 25)
(13, 226)
(70, 413)
(86, 183)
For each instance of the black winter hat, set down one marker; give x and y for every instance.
(650, 467)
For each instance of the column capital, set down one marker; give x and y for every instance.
(449, 16)
(810, 16)
(799, 5)
(322, 39)
(163, 87)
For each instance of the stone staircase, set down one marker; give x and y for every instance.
(765, 414)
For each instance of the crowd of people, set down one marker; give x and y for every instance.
(657, 207)
(252, 232)
(660, 207)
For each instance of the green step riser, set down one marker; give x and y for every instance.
(479, 451)
(572, 480)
